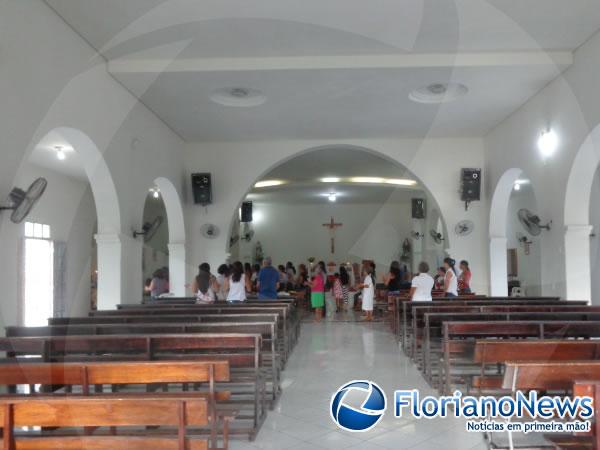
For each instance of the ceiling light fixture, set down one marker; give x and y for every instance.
(269, 183)
(367, 180)
(517, 186)
(332, 197)
(438, 93)
(60, 153)
(400, 182)
(154, 191)
(331, 180)
(238, 96)
(547, 143)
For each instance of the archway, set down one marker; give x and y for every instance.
(166, 248)
(578, 228)
(81, 180)
(515, 254)
(358, 175)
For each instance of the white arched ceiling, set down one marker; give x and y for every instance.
(177, 254)
(577, 218)
(498, 239)
(380, 154)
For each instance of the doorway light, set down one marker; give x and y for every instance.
(332, 197)
(547, 143)
(269, 183)
(331, 180)
(60, 153)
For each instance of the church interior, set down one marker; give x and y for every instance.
(258, 225)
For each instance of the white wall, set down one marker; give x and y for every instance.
(68, 207)
(570, 105)
(236, 166)
(529, 268)
(595, 240)
(49, 78)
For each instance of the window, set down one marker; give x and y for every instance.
(38, 292)
(37, 230)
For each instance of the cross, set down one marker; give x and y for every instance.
(332, 226)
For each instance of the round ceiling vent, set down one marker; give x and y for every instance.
(439, 93)
(238, 96)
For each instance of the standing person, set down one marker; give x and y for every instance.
(338, 292)
(368, 292)
(450, 280)
(268, 281)
(283, 278)
(222, 275)
(464, 279)
(254, 276)
(345, 282)
(393, 279)
(202, 286)
(237, 283)
(290, 270)
(422, 284)
(302, 278)
(159, 284)
(317, 294)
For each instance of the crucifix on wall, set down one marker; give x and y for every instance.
(332, 226)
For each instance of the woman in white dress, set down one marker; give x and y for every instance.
(237, 284)
(368, 293)
(451, 279)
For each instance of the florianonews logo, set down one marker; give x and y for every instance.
(358, 406)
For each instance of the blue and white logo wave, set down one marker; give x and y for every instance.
(357, 419)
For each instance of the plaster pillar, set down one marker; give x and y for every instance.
(578, 274)
(498, 267)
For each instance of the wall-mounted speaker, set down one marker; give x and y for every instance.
(418, 208)
(246, 215)
(202, 188)
(470, 185)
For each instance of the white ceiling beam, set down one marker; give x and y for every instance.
(560, 59)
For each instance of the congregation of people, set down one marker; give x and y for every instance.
(325, 288)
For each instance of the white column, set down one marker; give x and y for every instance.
(577, 262)
(110, 255)
(177, 269)
(498, 267)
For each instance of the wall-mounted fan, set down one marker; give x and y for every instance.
(22, 202)
(248, 233)
(234, 240)
(149, 229)
(417, 235)
(464, 227)
(406, 251)
(209, 231)
(436, 236)
(532, 222)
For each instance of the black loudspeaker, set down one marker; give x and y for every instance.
(202, 188)
(246, 212)
(470, 185)
(418, 208)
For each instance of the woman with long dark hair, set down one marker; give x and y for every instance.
(464, 279)
(203, 283)
(237, 283)
(450, 280)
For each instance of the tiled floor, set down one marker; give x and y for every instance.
(330, 354)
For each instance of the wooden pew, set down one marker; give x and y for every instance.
(497, 352)
(241, 351)
(267, 330)
(289, 316)
(102, 412)
(459, 338)
(119, 374)
(432, 330)
(404, 313)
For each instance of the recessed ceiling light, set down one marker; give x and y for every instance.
(548, 143)
(438, 93)
(331, 180)
(60, 153)
(400, 182)
(238, 96)
(269, 183)
(367, 180)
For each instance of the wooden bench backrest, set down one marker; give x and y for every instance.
(549, 375)
(500, 351)
(125, 372)
(167, 318)
(540, 328)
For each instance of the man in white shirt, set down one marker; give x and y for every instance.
(422, 284)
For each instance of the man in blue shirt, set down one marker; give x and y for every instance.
(268, 280)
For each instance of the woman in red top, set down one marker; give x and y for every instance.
(464, 280)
